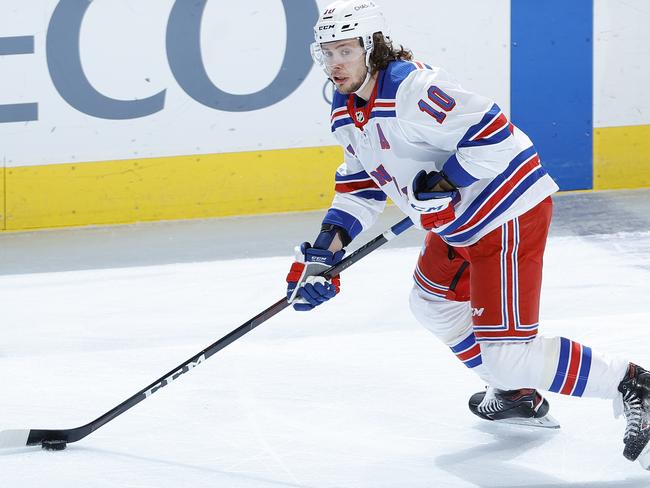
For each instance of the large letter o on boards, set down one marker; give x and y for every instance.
(64, 63)
(184, 55)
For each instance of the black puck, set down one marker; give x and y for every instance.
(54, 445)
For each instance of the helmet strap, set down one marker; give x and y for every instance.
(364, 84)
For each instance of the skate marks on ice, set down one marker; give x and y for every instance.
(68, 467)
(493, 464)
(228, 478)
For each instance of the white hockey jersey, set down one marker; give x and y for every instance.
(419, 118)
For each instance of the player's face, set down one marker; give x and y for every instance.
(345, 61)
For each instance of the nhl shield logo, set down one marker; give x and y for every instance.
(360, 117)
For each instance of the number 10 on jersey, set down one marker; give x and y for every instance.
(441, 99)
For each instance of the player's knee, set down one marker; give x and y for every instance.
(446, 319)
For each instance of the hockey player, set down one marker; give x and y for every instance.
(452, 161)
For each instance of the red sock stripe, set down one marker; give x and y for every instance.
(474, 351)
(574, 366)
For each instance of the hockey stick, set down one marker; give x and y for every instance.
(57, 439)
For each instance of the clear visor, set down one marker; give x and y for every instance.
(333, 53)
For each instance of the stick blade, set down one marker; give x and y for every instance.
(11, 439)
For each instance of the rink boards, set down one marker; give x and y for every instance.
(186, 114)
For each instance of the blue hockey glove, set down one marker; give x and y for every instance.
(434, 205)
(305, 290)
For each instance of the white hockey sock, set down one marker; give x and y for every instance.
(554, 364)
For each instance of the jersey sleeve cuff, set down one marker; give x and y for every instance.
(457, 175)
(343, 219)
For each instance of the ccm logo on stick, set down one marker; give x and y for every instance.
(174, 376)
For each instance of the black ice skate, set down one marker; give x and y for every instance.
(635, 388)
(520, 407)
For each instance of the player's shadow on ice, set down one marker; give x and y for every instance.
(488, 465)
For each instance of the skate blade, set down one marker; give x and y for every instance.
(644, 457)
(546, 422)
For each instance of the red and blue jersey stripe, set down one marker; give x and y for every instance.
(380, 108)
(522, 173)
(573, 368)
(340, 117)
(383, 108)
(492, 129)
(360, 185)
(420, 64)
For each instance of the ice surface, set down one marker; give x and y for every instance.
(353, 395)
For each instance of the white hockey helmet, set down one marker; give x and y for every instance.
(348, 19)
